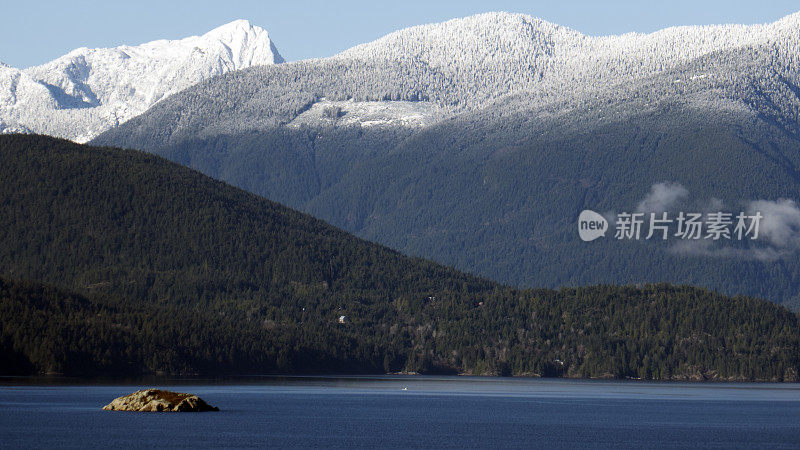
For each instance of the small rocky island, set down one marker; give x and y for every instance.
(157, 400)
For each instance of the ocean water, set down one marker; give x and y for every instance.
(410, 412)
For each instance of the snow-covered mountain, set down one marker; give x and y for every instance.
(87, 91)
(476, 142)
(470, 64)
(494, 54)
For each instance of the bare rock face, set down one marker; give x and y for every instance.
(156, 400)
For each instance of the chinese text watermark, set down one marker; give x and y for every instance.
(662, 226)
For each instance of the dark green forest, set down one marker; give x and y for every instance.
(119, 262)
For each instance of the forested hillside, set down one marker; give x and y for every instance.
(151, 267)
(477, 142)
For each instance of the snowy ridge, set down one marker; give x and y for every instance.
(460, 64)
(87, 91)
(482, 63)
(506, 50)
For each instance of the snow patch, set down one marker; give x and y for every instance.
(369, 114)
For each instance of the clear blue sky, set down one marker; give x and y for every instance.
(33, 32)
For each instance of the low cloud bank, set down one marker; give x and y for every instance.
(778, 234)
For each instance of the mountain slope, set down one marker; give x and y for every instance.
(159, 268)
(87, 91)
(460, 64)
(477, 142)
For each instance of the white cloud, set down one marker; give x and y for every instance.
(778, 236)
(779, 227)
(780, 224)
(661, 197)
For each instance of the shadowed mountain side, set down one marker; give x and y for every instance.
(154, 268)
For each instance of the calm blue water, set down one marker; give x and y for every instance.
(432, 412)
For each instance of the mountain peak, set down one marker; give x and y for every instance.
(494, 18)
(517, 45)
(87, 91)
(234, 25)
(244, 36)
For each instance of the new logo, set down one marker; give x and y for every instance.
(591, 225)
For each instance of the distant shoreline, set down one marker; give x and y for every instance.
(232, 380)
